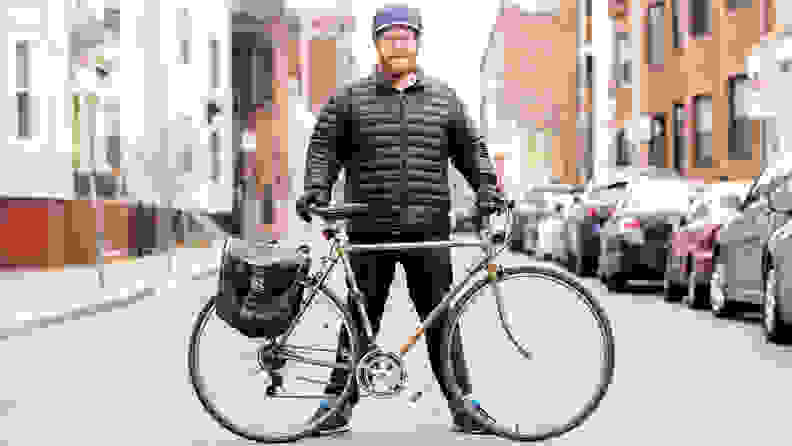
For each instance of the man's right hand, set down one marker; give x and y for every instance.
(308, 199)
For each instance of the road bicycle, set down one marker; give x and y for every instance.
(377, 372)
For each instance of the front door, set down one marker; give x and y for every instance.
(746, 277)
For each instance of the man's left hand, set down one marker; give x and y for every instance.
(489, 200)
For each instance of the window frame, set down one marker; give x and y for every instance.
(698, 161)
(734, 81)
(732, 7)
(676, 31)
(214, 63)
(214, 153)
(623, 63)
(184, 29)
(39, 119)
(589, 70)
(650, 37)
(660, 117)
(22, 93)
(622, 155)
(681, 159)
(695, 19)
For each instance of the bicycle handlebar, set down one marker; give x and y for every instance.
(347, 210)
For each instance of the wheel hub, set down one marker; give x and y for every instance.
(717, 296)
(268, 358)
(770, 301)
(381, 375)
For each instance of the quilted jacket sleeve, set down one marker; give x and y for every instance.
(468, 150)
(323, 160)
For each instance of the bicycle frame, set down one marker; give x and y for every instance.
(340, 249)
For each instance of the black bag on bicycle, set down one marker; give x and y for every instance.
(261, 287)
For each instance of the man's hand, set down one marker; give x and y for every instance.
(488, 200)
(310, 199)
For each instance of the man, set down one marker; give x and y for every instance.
(393, 133)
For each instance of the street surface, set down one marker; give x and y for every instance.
(682, 378)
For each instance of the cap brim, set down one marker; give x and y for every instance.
(409, 25)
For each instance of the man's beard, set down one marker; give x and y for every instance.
(400, 64)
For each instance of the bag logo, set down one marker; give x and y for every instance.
(258, 283)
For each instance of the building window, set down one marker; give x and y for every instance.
(588, 8)
(589, 71)
(188, 158)
(23, 100)
(735, 4)
(184, 30)
(701, 17)
(676, 36)
(703, 143)
(589, 162)
(622, 72)
(740, 126)
(656, 35)
(214, 147)
(214, 64)
(769, 136)
(680, 140)
(657, 143)
(622, 150)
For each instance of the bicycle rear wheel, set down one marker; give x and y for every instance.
(529, 280)
(268, 365)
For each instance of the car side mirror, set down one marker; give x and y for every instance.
(780, 202)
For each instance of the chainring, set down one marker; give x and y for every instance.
(380, 374)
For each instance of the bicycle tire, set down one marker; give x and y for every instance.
(606, 373)
(224, 421)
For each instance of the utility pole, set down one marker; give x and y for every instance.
(92, 100)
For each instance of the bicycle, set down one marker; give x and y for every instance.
(372, 366)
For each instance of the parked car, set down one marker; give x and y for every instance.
(590, 210)
(777, 299)
(634, 240)
(749, 253)
(549, 242)
(531, 209)
(549, 228)
(689, 261)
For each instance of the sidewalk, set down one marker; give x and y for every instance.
(41, 298)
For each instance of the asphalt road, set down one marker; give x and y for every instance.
(682, 378)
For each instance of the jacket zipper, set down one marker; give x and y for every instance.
(403, 108)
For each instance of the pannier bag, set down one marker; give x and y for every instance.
(261, 287)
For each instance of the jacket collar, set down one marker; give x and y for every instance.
(385, 83)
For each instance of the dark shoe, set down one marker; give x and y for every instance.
(336, 423)
(464, 423)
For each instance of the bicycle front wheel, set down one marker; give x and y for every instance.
(540, 392)
(266, 390)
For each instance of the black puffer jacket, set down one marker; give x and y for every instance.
(395, 150)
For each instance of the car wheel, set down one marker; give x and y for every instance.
(671, 290)
(697, 294)
(579, 266)
(615, 282)
(776, 329)
(720, 304)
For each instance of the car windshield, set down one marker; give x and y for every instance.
(608, 196)
(659, 194)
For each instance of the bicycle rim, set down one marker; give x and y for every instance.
(607, 363)
(204, 394)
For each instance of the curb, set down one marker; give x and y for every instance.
(25, 328)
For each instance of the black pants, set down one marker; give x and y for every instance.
(429, 276)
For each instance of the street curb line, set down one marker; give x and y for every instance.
(90, 310)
